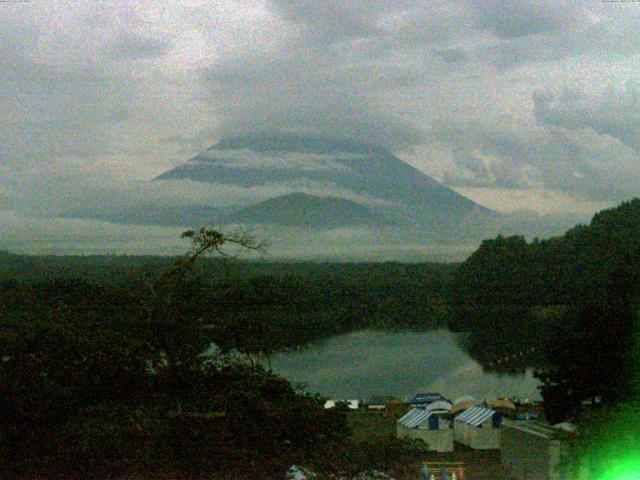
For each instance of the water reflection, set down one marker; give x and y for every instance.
(368, 363)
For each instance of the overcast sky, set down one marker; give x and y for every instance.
(517, 104)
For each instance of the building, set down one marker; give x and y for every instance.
(330, 404)
(478, 427)
(377, 403)
(430, 427)
(353, 404)
(534, 451)
(424, 399)
(440, 406)
(462, 403)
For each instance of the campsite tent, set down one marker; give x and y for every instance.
(478, 427)
(464, 398)
(440, 406)
(502, 403)
(504, 407)
(430, 427)
(462, 403)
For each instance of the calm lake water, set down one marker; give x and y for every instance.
(368, 363)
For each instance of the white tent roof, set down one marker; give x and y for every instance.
(475, 415)
(415, 417)
(464, 398)
(440, 405)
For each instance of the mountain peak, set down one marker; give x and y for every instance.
(340, 168)
(295, 142)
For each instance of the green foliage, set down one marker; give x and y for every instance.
(108, 379)
(589, 277)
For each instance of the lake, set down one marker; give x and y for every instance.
(369, 363)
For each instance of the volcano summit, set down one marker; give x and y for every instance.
(350, 181)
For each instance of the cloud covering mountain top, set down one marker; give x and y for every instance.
(532, 96)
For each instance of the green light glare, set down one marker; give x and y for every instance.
(609, 446)
(624, 469)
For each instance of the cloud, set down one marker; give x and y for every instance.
(137, 47)
(306, 91)
(523, 18)
(512, 154)
(37, 235)
(615, 112)
(99, 93)
(453, 55)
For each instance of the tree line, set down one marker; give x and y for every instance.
(578, 296)
(111, 381)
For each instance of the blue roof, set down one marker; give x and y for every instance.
(428, 397)
(527, 416)
(475, 415)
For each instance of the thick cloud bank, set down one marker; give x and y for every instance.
(530, 96)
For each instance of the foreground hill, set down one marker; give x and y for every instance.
(306, 210)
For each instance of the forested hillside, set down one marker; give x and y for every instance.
(572, 298)
(560, 270)
(285, 305)
(109, 380)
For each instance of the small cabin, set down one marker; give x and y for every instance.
(430, 427)
(532, 449)
(478, 427)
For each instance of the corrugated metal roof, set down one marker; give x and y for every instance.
(414, 418)
(533, 428)
(475, 415)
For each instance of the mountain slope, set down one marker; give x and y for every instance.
(302, 209)
(339, 168)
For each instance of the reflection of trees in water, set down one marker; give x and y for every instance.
(507, 339)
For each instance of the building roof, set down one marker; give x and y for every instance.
(464, 398)
(353, 404)
(538, 429)
(475, 415)
(502, 403)
(464, 405)
(377, 401)
(439, 405)
(527, 416)
(428, 397)
(415, 417)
